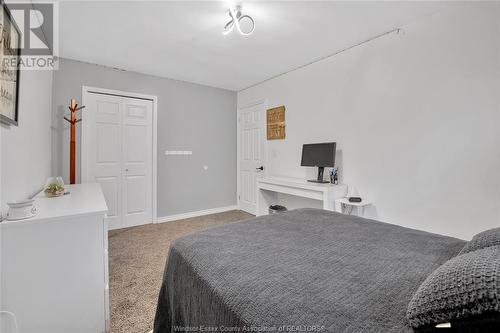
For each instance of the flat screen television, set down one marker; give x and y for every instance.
(319, 155)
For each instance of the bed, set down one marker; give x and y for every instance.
(304, 270)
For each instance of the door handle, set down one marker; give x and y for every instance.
(261, 168)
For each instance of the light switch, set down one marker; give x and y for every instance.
(178, 152)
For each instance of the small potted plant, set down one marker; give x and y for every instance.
(54, 187)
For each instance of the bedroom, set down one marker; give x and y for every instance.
(185, 101)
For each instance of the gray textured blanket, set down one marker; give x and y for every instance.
(305, 270)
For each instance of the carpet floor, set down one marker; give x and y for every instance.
(137, 258)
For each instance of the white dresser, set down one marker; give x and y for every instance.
(55, 265)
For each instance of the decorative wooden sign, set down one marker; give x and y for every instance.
(276, 123)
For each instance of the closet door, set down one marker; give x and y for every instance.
(137, 161)
(117, 143)
(103, 144)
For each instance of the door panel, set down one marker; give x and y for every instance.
(251, 122)
(136, 194)
(104, 116)
(111, 108)
(108, 148)
(120, 156)
(137, 161)
(135, 141)
(109, 187)
(257, 137)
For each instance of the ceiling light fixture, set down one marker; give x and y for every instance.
(236, 19)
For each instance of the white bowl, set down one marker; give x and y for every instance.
(21, 210)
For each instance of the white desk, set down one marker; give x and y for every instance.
(269, 187)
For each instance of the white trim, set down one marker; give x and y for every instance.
(238, 143)
(189, 215)
(127, 226)
(238, 157)
(84, 146)
(155, 159)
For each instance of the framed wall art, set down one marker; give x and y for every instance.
(10, 53)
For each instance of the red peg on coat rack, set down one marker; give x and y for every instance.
(73, 108)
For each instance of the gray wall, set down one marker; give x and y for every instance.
(190, 117)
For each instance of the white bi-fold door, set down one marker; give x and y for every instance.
(118, 140)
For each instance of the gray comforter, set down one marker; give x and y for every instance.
(305, 270)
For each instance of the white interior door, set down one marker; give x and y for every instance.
(119, 145)
(252, 154)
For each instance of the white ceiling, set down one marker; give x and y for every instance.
(183, 39)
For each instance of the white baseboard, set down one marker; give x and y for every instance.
(111, 227)
(182, 216)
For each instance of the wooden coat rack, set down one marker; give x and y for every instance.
(73, 108)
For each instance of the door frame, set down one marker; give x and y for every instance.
(238, 143)
(85, 145)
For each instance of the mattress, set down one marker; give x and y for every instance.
(303, 270)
